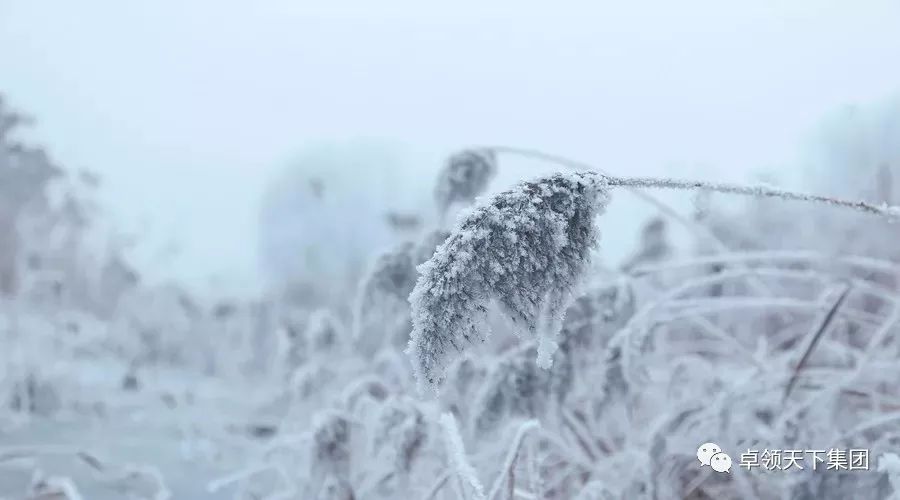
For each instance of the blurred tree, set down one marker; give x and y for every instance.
(24, 174)
(45, 216)
(323, 217)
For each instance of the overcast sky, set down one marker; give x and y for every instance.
(187, 107)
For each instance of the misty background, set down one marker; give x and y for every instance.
(191, 111)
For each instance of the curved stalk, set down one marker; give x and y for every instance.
(634, 184)
(758, 191)
(693, 226)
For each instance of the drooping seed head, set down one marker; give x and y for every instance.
(525, 250)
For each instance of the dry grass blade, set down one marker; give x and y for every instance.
(511, 459)
(441, 481)
(456, 455)
(814, 340)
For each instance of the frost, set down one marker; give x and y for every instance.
(518, 387)
(457, 456)
(332, 448)
(464, 177)
(324, 333)
(757, 191)
(309, 380)
(277, 390)
(595, 316)
(654, 245)
(366, 388)
(400, 434)
(61, 488)
(336, 489)
(465, 376)
(393, 275)
(34, 395)
(381, 308)
(512, 456)
(524, 249)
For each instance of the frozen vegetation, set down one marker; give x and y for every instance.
(491, 356)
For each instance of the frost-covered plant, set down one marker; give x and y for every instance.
(427, 245)
(33, 394)
(393, 275)
(25, 173)
(465, 176)
(307, 339)
(324, 333)
(381, 308)
(653, 247)
(364, 389)
(55, 487)
(593, 318)
(331, 449)
(623, 424)
(526, 250)
(335, 488)
(393, 367)
(465, 376)
(309, 380)
(466, 477)
(400, 435)
(518, 388)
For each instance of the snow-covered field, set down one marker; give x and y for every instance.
(491, 356)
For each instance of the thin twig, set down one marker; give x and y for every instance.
(769, 257)
(441, 481)
(456, 454)
(512, 456)
(217, 484)
(814, 340)
(584, 441)
(758, 191)
(691, 225)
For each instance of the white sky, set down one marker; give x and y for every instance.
(187, 107)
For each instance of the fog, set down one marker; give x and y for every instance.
(201, 103)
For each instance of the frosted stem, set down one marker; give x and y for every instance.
(456, 454)
(634, 183)
(691, 225)
(756, 191)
